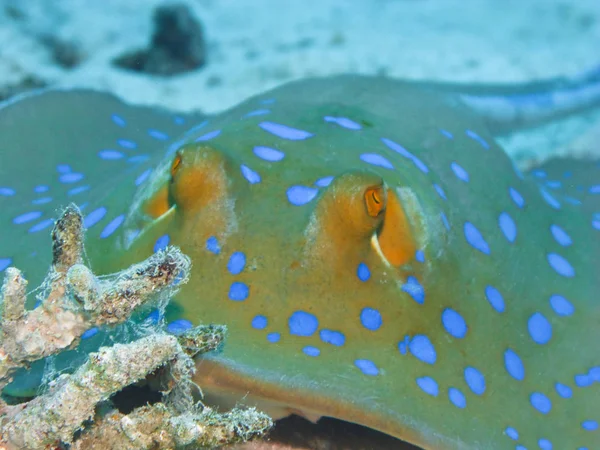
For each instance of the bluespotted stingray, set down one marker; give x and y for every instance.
(375, 254)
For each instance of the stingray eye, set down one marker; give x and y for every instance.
(375, 201)
(175, 165)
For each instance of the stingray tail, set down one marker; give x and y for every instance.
(507, 108)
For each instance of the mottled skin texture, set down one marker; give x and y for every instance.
(378, 213)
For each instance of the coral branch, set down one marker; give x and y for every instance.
(75, 300)
(155, 427)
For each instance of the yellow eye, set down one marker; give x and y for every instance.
(375, 201)
(175, 165)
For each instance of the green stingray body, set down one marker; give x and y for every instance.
(375, 255)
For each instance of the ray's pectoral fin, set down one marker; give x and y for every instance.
(359, 213)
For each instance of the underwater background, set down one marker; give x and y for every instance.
(248, 46)
(238, 48)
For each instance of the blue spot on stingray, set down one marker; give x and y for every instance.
(27, 217)
(161, 243)
(267, 101)
(179, 326)
(143, 176)
(4, 263)
(370, 319)
(285, 132)
(563, 390)
(158, 135)
(40, 188)
(94, 217)
(403, 345)
(457, 398)
(196, 128)
(413, 288)
(89, 333)
(302, 323)
(309, 350)
(332, 337)
(514, 365)
(549, 199)
(445, 221)
(454, 323)
(508, 226)
(112, 226)
(539, 328)
(516, 197)
(560, 265)
(118, 120)
(343, 122)
(268, 153)
(41, 201)
(259, 322)
(447, 133)
(41, 226)
(512, 433)
(78, 190)
(363, 272)
(460, 173)
(475, 380)
(595, 189)
(238, 291)
(69, 178)
(236, 263)
(553, 184)
(420, 256)
(301, 195)
(475, 239)
(212, 245)
(63, 168)
(258, 112)
(583, 380)
(208, 136)
(422, 348)
(138, 159)
(440, 191)
(540, 402)
(589, 425)
(7, 192)
(420, 165)
(324, 182)
(428, 385)
(477, 138)
(561, 305)
(402, 151)
(126, 143)
(273, 337)
(250, 175)
(376, 160)
(560, 235)
(110, 155)
(367, 367)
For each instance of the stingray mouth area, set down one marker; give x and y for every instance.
(226, 385)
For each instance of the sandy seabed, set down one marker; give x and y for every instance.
(254, 45)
